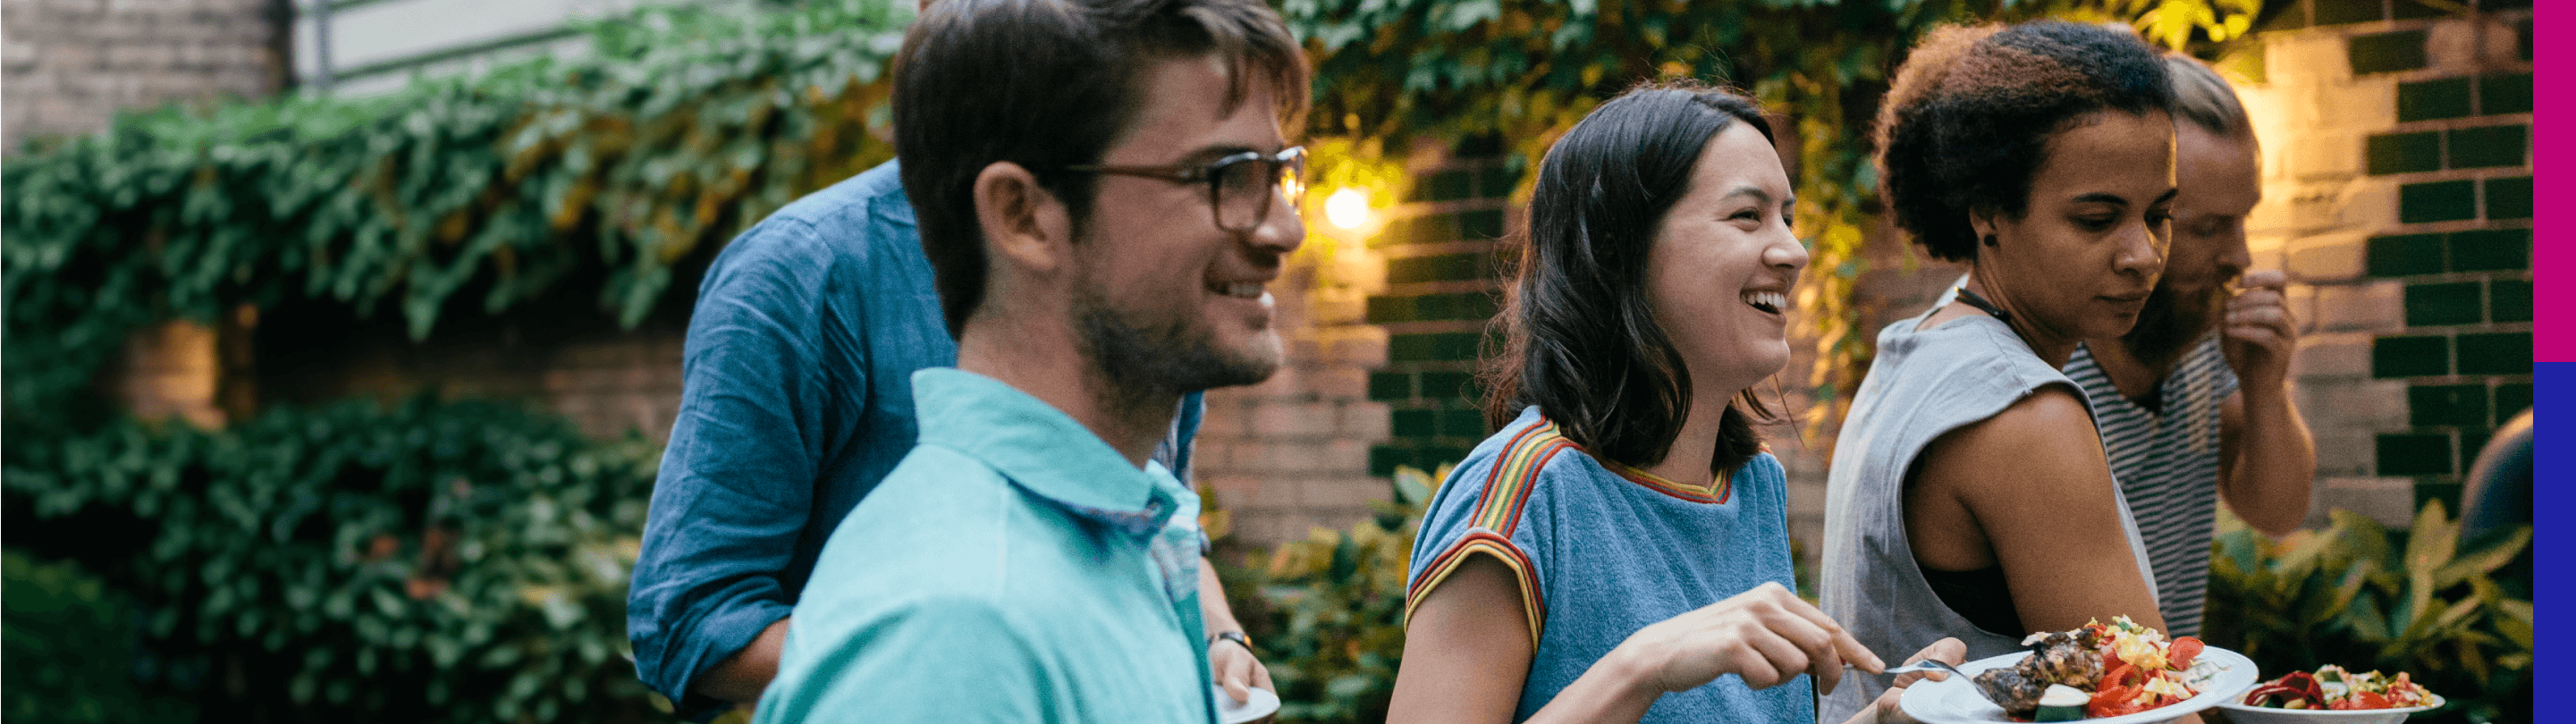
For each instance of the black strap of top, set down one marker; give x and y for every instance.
(1971, 299)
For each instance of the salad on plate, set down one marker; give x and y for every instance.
(2336, 688)
(2100, 670)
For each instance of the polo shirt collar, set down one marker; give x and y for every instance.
(1041, 450)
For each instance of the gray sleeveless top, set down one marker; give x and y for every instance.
(1922, 385)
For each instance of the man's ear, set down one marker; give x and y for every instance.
(1026, 225)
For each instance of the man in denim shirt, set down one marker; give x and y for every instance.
(1104, 191)
(797, 400)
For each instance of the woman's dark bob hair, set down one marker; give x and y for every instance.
(1580, 337)
(1967, 123)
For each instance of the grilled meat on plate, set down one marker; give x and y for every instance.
(2063, 657)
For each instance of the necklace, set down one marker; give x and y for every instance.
(1971, 299)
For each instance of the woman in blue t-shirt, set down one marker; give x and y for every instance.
(1620, 550)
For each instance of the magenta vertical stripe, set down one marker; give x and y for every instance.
(2553, 258)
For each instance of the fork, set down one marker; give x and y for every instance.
(1927, 665)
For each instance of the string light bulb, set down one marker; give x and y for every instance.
(1347, 208)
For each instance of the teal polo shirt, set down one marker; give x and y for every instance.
(1013, 568)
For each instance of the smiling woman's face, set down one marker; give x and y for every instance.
(1723, 262)
(2079, 262)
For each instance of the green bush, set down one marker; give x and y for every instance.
(61, 632)
(1329, 610)
(459, 562)
(2348, 595)
(577, 178)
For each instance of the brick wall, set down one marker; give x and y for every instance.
(66, 66)
(579, 365)
(1442, 284)
(2397, 192)
(1292, 453)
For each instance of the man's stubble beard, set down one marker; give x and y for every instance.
(2169, 324)
(1140, 357)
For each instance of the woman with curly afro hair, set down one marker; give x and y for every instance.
(1970, 496)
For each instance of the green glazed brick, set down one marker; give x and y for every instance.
(1389, 310)
(2403, 255)
(2497, 94)
(2410, 356)
(2491, 250)
(2509, 198)
(1445, 186)
(2511, 399)
(1463, 305)
(2337, 12)
(1435, 268)
(1430, 229)
(1383, 459)
(2414, 454)
(2472, 440)
(2430, 305)
(1431, 347)
(1416, 424)
(1482, 145)
(2509, 300)
(2433, 99)
(1431, 458)
(1495, 183)
(2490, 146)
(2506, 353)
(1450, 387)
(1390, 386)
(2437, 201)
(1481, 225)
(2445, 406)
(2448, 493)
(1467, 424)
(2386, 52)
(2389, 153)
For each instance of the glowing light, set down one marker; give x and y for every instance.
(1347, 208)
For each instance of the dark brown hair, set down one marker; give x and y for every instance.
(1047, 84)
(1579, 332)
(1967, 123)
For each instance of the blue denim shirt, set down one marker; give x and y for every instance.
(796, 400)
(1014, 568)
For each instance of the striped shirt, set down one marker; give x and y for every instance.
(1600, 550)
(2167, 466)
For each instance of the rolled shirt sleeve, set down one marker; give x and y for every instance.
(738, 479)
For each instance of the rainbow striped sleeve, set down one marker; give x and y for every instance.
(1497, 514)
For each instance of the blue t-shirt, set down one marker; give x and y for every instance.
(1014, 568)
(1602, 550)
(796, 399)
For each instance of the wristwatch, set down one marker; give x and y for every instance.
(1234, 636)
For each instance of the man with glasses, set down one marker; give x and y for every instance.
(1103, 193)
(797, 401)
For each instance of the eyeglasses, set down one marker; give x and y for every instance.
(1240, 186)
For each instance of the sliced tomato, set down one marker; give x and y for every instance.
(2179, 654)
(2121, 706)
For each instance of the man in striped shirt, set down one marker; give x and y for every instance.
(2194, 403)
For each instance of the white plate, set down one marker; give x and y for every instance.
(1260, 704)
(2242, 714)
(2218, 674)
